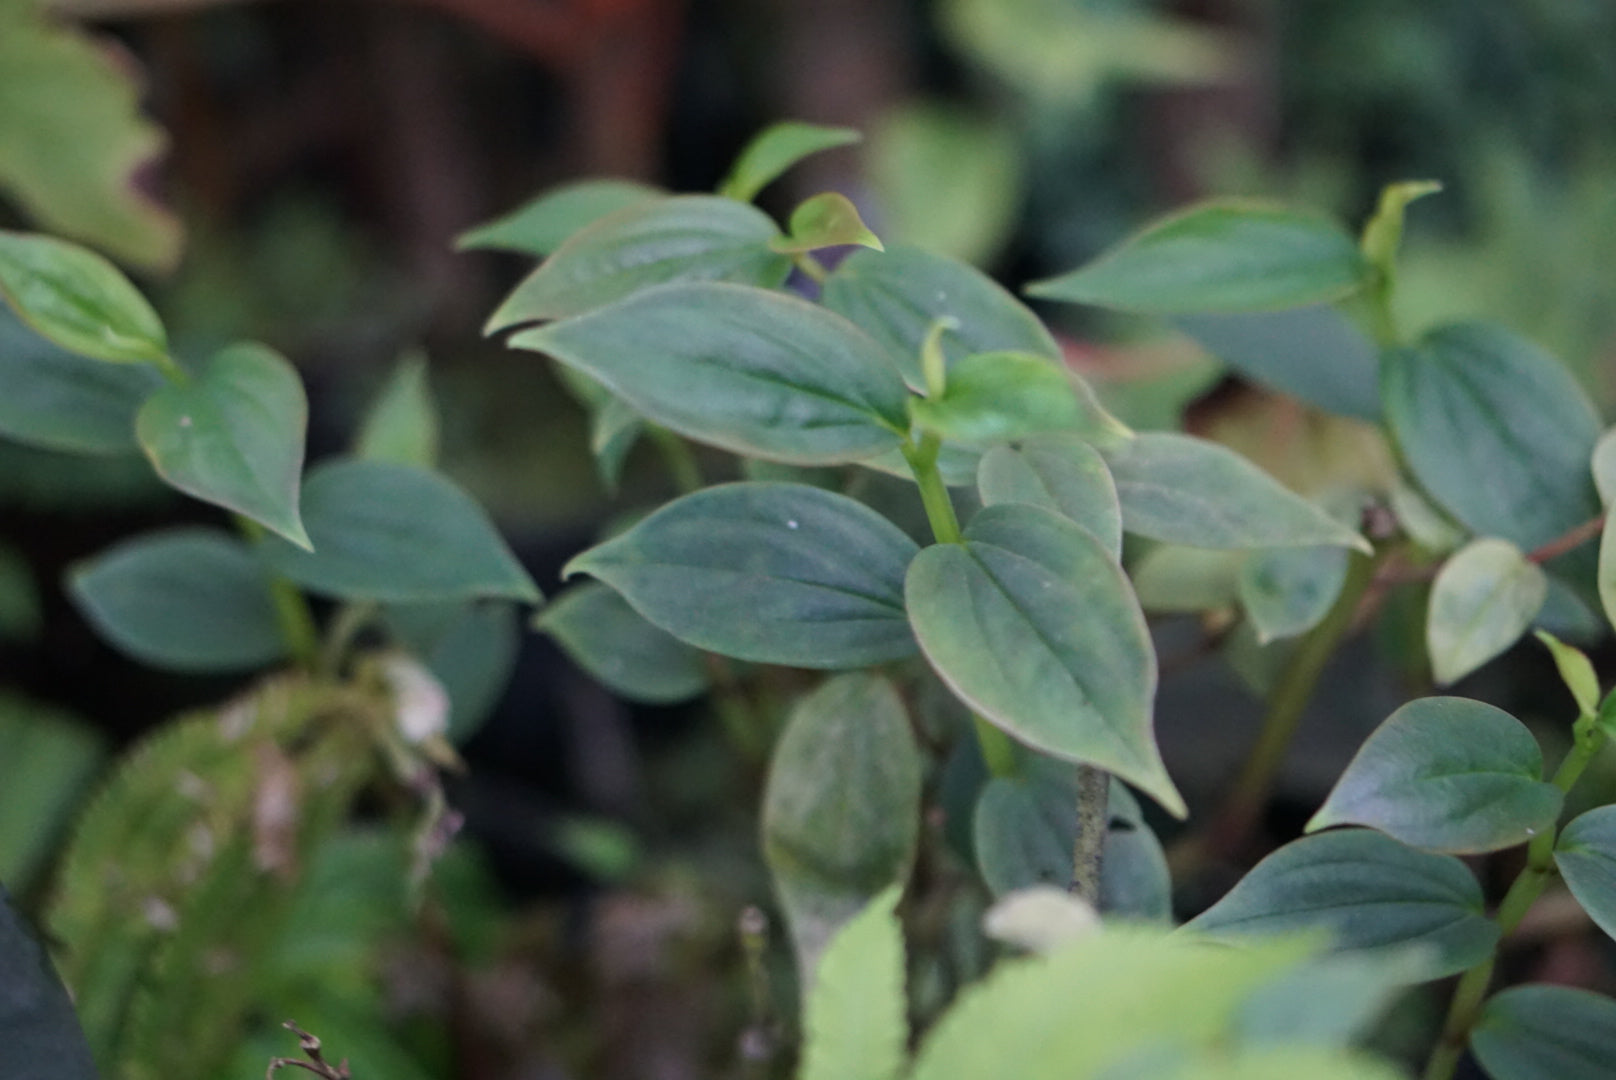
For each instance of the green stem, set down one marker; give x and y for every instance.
(810, 266)
(679, 459)
(292, 612)
(1093, 797)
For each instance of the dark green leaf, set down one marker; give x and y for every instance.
(543, 224)
(826, 220)
(1190, 491)
(47, 759)
(233, 436)
(1032, 623)
(753, 371)
(1586, 856)
(1219, 257)
(1446, 774)
(1286, 591)
(774, 150)
(1313, 353)
(190, 599)
(402, 424)
(999, 396)
(40, 1038)
(394, 533)
(856, 1022)
(774, 573)
(1367, 891)
(614, 643)
(20, 614)
(63, 401)
(1060, 473)
(1606, 574)
(1482, 601)
(680, 238)
(1495, 429)
(841, 812)
(473, 659)
(1546, 1033)
(896, 296)
(79, 300)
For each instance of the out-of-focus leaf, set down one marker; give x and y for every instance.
(19, 602)
(402, 424)
(40, 1038)
(856, 1023)
(606, 637)
(774, 150)
(79, 300)
(1286, 591)
(1315, 354)
(543, 224)
(1484, 598)
(827, 220)
(46, 761)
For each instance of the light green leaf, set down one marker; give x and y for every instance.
(1586, 856)
(1315, 354)
(634, 659)
(1175, 580)
(79, 300)
(1576, 671)
(1219, 257)
(1059, 472)
(1330, 1001)
(39, 1035)
(1032, 623)
(773, 573)
(680, 238)
(543, 224)
(1367, 891)
(1602, 463)
(825, 220)
(1384, 231)
(774, 150)
(1287, 591)
(396, 534)
(752, 371)
(189, 599)
(1484, 598)
(47, 760)
(1000, 396)
(1284, 1063)
(896, 296)
(1473, 402)
(1546, 1033)
(841, 811)
(856, 1024)
(233, 436)
(402, 424)
(1190, 491)
(1446, 774)
(60, 400)
(1605, 576)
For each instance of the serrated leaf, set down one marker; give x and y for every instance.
(402, 423)
(1185, 490)
(1219, 257)
(841, 810)
(1576, 671)
(1060, 473)
(1032, 623)
(826, 220)
(394, 533)
(1367, 891)
(1586, 856)
(681, 238)
(40, 1038)
(999, 396)
(1287, 591)
(1446, 774)
(1484, 598)
(1315, 354)
(1545, 1033)
(630, 656)
(233, 436)
(75, 298)
(749, 370)
(773, 573)
(541, 225)
(1473, 400)
(777, 148)
(188, 599)
(856, 1024)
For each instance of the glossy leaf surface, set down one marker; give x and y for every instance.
(79, 300)
(774, 150)
(856, 1023)
(1586, 856)
(1060, 473)
(1546, 1033)
(606, 637)
(1484, 598)
(543, 224)
(1287, 591)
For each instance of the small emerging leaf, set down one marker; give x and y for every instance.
(1576, 670)
(826, 220)
(1384, 231)
(1484, 598)
(402, 424)
(39, 1035)
(1000, 396)
(774, 150)
(540, 226)
(1314, 353)
(79, 300)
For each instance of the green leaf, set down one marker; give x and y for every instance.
(841, 811)
(402, 424)
(1287, 591)
(1576, 671)
(755, 372)
(1032, 623)
(233, 436)
(1602, 463)
(1484, 598)
(1446, 774)
(1496, 430)
(60, 400)
(1058, 472)
(1330, 1001)
(1175, 580)
(1286, 1063)
(896, 296)
(773, 573)
(1315, 354)
(20, 614)
(541, 225)
(79, 300)
(606, 637)
(1545, 1033)
(40, 1038)
(394, 533)
(1219, 257)
(1586, 856)
(856, 1024)
(1190, 491)
(1000, 396)
(1606, 573)
(188, 599)
(72, 140)
(826, 220)
(680, 238)
(774, 150)
(473, 660)
(1367, 891)
(1384, 231)
(47, 760)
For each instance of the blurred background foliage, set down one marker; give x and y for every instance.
(296, 171)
